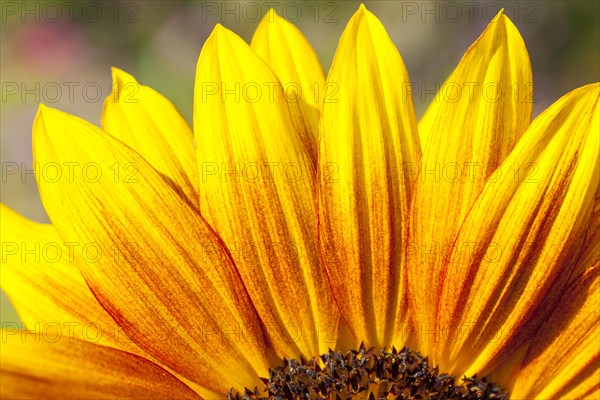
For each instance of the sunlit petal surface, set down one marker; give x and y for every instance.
(308, 238)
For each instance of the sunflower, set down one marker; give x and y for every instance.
(308, 239)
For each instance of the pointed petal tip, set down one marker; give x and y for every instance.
(272, 16)
(42, 107)
(220, 34)
(363, 15)
(504, 19)
(219, 30)
(215, 34)
(361, 12)
(38, 120)
(114, 72)
(44, 112)
(271, 20)
(120, 76)
(50, 121)
(501, 31)
(500, 17)
(38, 114)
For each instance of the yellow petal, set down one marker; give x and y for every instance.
(494, 77)
(517, 248)
(291, 57)
(147, 122)
(564, 359)
(507, 373)
(154, 264)
(590, 253)
(36, 366)
(585, 388)
(471, 126)
(46, 288)
(256, 180)
(367, 138)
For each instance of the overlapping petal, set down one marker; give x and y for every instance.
(38, 366)
(518, 247)
(368, 146)
(45, 286)
(590, 252)
(483, 226)
(47, 290)
(257, 183)
(295, 63)
(151, 260)
(150, 124)
(564, 359)
(471, 126)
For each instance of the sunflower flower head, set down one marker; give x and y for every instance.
(308, 238)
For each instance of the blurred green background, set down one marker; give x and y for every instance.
(60, 53)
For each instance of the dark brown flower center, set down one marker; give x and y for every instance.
(361, 374)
